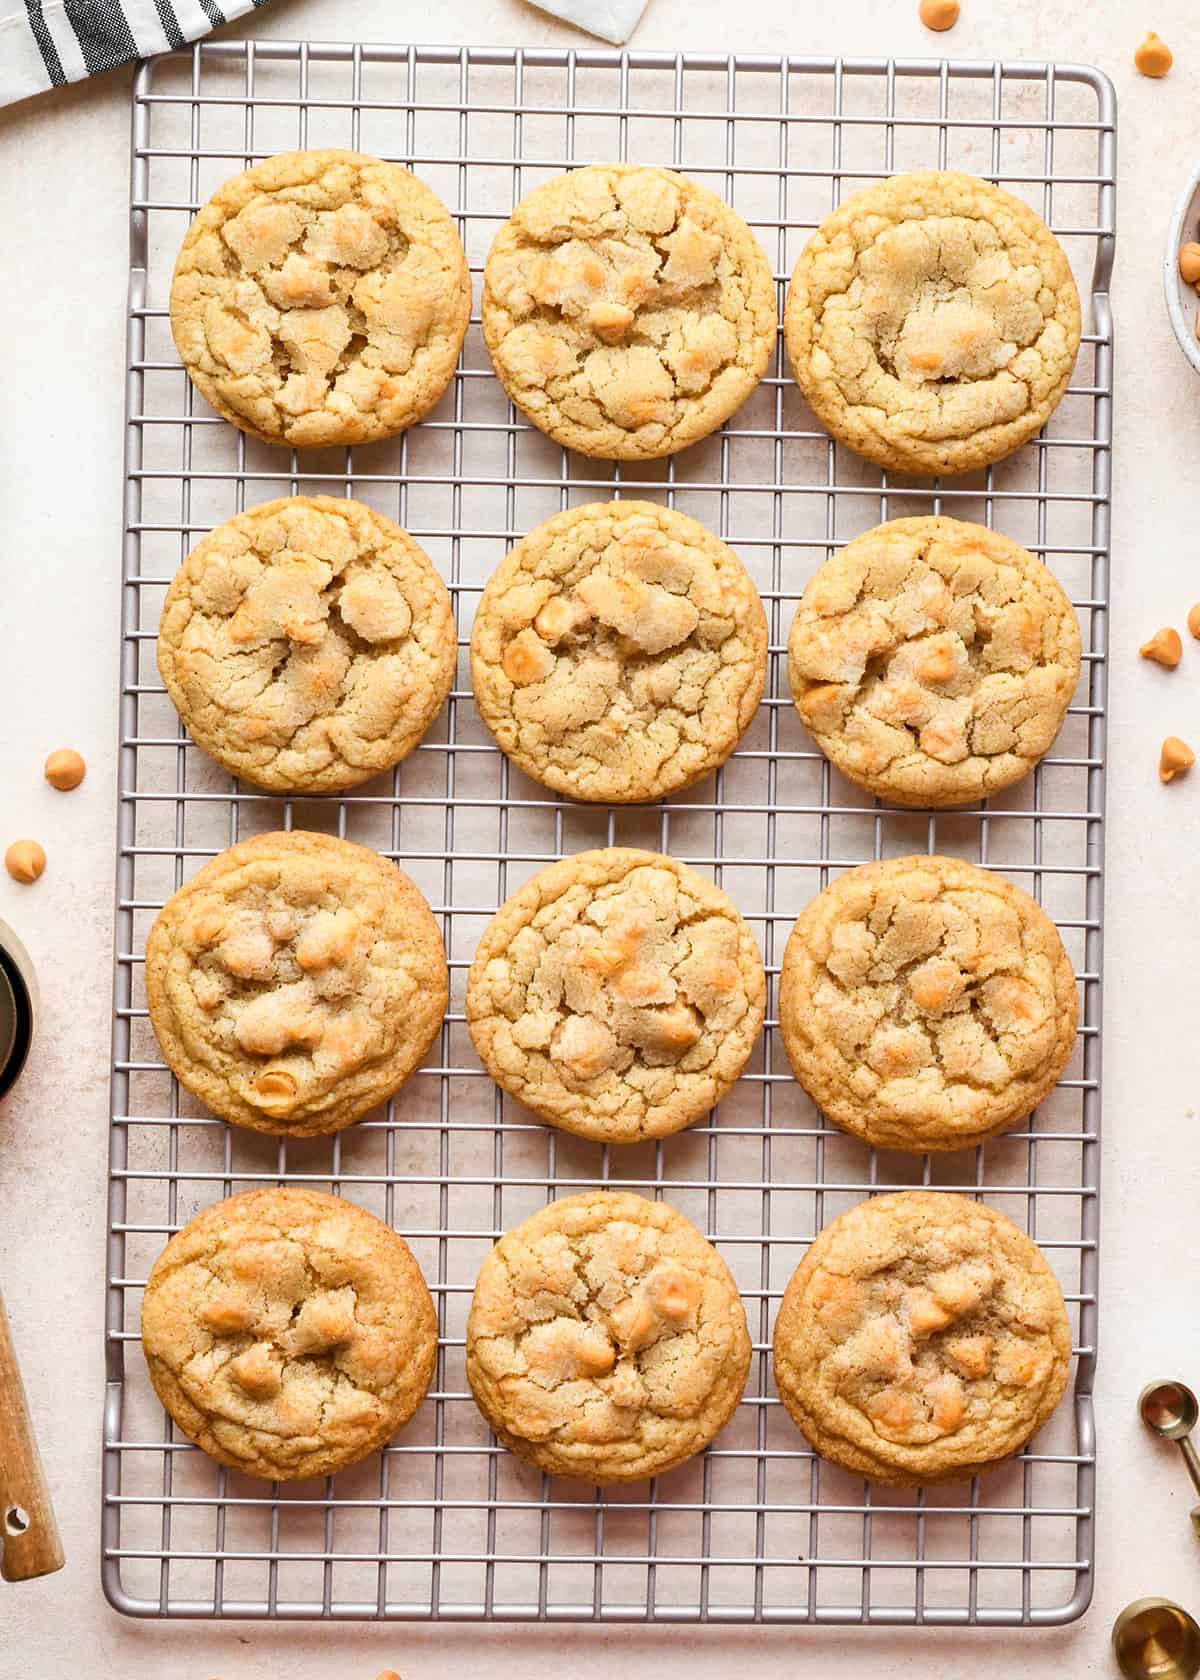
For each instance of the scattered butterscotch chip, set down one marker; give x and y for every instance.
(65, 769)
(1153, 57)
(1193, 620)
(275, 1089)
(1164, 648)
(388, 1674)
(1175, 759)
(938, 14)
(25, 861)
(1189, 262)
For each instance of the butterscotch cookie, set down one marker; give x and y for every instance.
(307, 643)
(926, 1003)
(321, 297)
(606, 1339)
(923, 1338)
(288, 1333)
(619, 652)
(628, 310)
(933, 661)
(618, 994)
(295, 981)
(932, 322)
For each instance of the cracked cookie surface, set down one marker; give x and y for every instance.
(923, 1338)
(288, 1332)
(618, 995)
(619, 652)
(321, 297)
(932, 322)
(606, 1338)
(295, 981)
(926, 1003)
(628, 310)
(933, 661)
(307, 644)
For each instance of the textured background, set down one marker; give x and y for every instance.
(63, 188)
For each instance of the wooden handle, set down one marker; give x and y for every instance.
(29, 1543)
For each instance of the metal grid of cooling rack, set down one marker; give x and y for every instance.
(444, 1524)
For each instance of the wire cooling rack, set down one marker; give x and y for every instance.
(445, 1524)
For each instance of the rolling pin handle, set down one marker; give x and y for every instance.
(29, 1542)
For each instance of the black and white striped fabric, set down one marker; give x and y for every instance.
(44, 43)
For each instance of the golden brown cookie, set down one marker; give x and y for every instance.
(295, 982)
(628, 310)
(932, 322)
(923, 1338)
(618, 994)
(933, 661)
(307, 644)
(926, 1003)
(606, 1339)
(619, 652)
(321, 297)
(288, 1333)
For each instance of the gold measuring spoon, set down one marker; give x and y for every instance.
(1169, 1409)
(1154, 1639)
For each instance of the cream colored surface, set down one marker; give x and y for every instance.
(63, 374)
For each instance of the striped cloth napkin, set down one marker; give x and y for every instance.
(44, 43)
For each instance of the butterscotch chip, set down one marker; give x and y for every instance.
(606, 1339)
(321, 297)
(1193, 620)
(923, 1338)
(64, 769)
(933, 661)
(926, 1003)
(25, 861)
(307, 643)
(1165, 647)
(288, 1333)
(1153, 56)
(1175, 759)
(295, 982)
(932, 322)
(618, 994)
(628, 310)
(619, 652)
(938, 14)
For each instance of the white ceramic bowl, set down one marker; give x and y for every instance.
(1183, 301)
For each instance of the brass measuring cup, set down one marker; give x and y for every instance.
(18, 998)
(1154, 1639)
(1169, 1409)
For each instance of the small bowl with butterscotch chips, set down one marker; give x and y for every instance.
(1181, 271)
